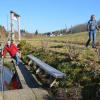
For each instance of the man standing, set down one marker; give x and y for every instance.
(92, 26)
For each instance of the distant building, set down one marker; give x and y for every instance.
(55, 33)
(60, 34)
(52, 35)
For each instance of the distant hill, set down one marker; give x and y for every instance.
(74, 29)
(99, 23)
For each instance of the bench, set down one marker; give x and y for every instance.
(56, 74)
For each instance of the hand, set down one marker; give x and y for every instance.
(98, 30)
(2, 57)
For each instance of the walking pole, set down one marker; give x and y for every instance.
(2, 73)
(2, 76)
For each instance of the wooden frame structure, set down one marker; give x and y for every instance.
(14, 16)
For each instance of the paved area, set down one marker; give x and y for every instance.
(25, 94)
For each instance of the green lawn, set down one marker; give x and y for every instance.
(79, 39)
(74, 38)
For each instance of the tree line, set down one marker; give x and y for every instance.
(73, 29)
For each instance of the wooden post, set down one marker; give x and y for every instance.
(12, 28)
(14, 16)
(11, 21)
(19, 28)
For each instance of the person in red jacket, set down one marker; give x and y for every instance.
(12, 49)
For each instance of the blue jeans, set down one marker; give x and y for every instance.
(92, 36)
(16, 59)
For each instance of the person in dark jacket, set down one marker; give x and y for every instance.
(12, 49)
(92, 26)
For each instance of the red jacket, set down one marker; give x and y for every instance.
(12, 49)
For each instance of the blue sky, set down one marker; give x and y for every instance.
(49, 15)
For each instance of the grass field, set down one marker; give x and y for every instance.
(60, 43)
(77, 38)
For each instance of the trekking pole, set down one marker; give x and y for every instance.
(2, 73)
(2, 76)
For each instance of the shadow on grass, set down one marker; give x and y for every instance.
(91, 92)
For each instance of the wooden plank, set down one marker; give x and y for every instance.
(50, 70)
